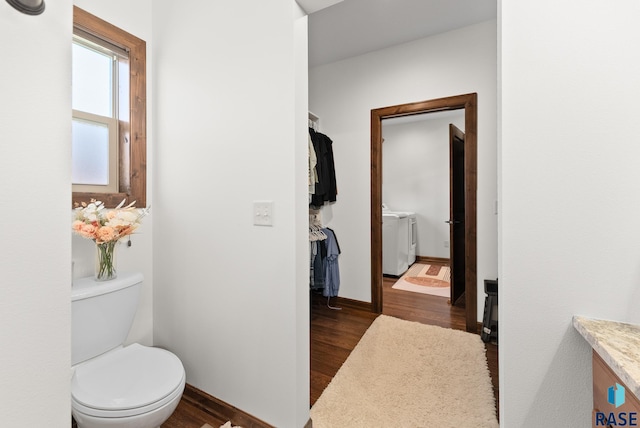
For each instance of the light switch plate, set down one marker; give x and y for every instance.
(263, 213)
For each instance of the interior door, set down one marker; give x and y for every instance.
(456, 214)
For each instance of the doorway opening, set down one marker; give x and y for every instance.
(468, 102)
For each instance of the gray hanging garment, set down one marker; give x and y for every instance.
(332, 270)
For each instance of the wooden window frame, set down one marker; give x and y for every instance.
(132, 153)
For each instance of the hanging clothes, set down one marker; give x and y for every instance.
(326, 189)
(331, 268)
(336, 238)
(313, 161)
(318, 252)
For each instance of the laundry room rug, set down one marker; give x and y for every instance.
(407, 374)
(426, 279)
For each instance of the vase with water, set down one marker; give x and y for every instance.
(106, 261)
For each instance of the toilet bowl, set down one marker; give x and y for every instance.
(112, 385)
(131, 387)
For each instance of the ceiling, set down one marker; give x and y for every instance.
(355, 27)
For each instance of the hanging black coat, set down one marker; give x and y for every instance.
(326, 188)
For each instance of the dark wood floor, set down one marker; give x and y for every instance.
(197, 408)
(334, 334)
(191, 414)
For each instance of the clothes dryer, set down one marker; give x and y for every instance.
(412, 232)
(395, 243)
(412, 238)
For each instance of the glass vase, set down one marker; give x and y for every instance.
(106, 261)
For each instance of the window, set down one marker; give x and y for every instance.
(100, 73)
(109, 113)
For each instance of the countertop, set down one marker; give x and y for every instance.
(618, 344)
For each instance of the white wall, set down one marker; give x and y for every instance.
(301, 245)
(415, 175)
(35, 196)
(343, 94)
(569, 189)
(231, 298)
(135, 18)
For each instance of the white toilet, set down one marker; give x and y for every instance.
(114, 386)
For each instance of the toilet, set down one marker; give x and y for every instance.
(112, 385)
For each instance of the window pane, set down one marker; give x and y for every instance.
(90, 153)
(92, 83)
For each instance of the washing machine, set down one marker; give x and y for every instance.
(412, 238)
(412, 232)
(395, 243)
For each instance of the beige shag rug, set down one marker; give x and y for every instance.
(406, 374)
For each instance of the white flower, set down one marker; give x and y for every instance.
(123, 218)
(123, 221)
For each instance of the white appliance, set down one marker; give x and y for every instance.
(413, 237)
(395, 243)
(412, 232)
(114, 386)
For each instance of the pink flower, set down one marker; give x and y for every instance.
(94, 221)
(125, 230)
(105, 234)
(77, 226)
(87, 231)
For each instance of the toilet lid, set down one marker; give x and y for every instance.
(127, 378)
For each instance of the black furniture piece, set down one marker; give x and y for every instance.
(490, 320)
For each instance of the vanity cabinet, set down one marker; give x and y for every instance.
(603, 379)
(615, 359)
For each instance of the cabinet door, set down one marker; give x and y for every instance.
(603, 379)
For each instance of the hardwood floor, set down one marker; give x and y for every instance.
(197, 408)
(333, 336)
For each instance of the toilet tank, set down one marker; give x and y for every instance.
(102, 314)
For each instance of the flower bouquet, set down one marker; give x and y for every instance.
(105, 227)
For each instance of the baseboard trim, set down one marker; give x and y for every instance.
(220, 409)
(426, 259)
(353, 304)
(342, 302)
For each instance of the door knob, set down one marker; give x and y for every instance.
(452, 221)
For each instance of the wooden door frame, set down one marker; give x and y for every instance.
(469, 103)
